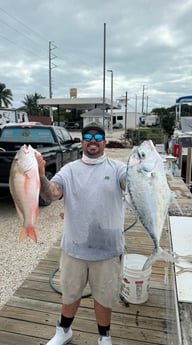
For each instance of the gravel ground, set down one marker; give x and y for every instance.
(17, 260)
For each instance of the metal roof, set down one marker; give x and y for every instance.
(79, 103)
(184, 99)
(97, 112)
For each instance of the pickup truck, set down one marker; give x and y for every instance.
(54, 143)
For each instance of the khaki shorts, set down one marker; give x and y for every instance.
(104, 278)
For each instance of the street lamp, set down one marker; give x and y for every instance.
(110, 70)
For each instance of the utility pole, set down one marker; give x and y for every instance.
(111, 122)
(135, 111)
(104, 58)
(147, 105)
(142, 110)
(51, 66)
(125, 113)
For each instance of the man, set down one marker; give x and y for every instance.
(92, 243)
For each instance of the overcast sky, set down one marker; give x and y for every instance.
(148, 45)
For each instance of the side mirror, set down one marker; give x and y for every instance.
(77, 140)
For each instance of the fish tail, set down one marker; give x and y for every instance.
(28, 231)
(158, 254)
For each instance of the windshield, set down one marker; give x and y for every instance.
(30, 135)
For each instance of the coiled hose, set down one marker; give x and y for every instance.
(53, 273)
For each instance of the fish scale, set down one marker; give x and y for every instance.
(24, 184)
(149, 195)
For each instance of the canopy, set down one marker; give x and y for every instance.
(184, 99)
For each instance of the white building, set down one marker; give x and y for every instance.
(12, 115)
(124, 117)
(96, 115)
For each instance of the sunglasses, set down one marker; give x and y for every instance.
(98, 137)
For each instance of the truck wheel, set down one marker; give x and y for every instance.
(42, 202)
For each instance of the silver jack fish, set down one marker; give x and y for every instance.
(24, 186)
(149, 195)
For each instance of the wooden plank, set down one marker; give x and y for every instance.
(36, 306)
(120, 331)
(186, 316)
(80, 338)
(129, 319)
(19, 339)
(132, 309)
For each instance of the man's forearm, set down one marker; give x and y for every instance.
(45, 190)
(48, 190)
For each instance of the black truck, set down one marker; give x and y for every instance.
(54, 143)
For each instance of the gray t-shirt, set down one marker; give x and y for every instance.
(93, 209)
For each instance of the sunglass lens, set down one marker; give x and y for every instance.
(87, 137)
(98, 137)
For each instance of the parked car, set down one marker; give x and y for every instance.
(117, 125)
(72, 125)
(54, 143)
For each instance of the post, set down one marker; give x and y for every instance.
(125, 114)
(188, 168)
(104, 54)
(135, 111)
(111, 126)
(58, 115)
(142, 110)
(147, 105)
(50, 84)
(51, 65)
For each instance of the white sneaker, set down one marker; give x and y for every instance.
(60, 337)
(104, 341)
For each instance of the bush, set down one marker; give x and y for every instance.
(115, 144)
(137, 136)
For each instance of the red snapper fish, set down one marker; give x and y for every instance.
(24, 184)
(149, 195)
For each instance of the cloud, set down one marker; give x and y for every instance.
(147, 43)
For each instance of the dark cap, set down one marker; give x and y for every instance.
(93, 126)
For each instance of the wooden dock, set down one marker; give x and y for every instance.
(30, 316)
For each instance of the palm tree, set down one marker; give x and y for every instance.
(6, 96)
(30, 104)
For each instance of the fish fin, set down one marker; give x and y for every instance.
(22, 234)
(127, 201)
(28, 231)
(18, 211)
(158, 254)
(31, 233)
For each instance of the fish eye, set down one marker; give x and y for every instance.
(141, 154)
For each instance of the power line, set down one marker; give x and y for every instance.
(12, 42)
(28, 38)
(23, 24)
(25, 34)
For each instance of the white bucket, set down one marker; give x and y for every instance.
(135, 282)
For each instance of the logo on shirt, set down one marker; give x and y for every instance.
(106, 178)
